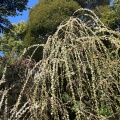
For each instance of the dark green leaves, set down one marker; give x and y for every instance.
(10, 8)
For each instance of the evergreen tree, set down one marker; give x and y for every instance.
(92, 4)
(110, 15)
(45, 17)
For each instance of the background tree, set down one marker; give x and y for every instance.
(12, 41)
(43, 21)
(45, 17)
(110, 15)
(10, 8)
(116, 7)
(49, 15)
(12, 46)
(92, 4)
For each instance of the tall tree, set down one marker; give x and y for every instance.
(92, 4)
(10, 8)
(116, 7)
(110, 15)
(12, 40)
(45, 17)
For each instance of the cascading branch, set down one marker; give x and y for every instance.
(79, 75)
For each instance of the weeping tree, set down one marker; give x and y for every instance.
(78, 77)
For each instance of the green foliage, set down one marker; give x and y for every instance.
(10, 8)
(109, 16)
(12, 46)
(66, 98)
(116, 6)
(45, 17)
(43, 21)
(105, 110)
(12, 41)
(92, 4)
(110, 19)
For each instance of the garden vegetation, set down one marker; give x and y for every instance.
(78, 77)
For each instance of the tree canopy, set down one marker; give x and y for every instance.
(10, 8)
(92, 4)
(110, 15)
(46, 16)
(12, 40)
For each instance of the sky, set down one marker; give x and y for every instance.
(24, 15)
(111, 2)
